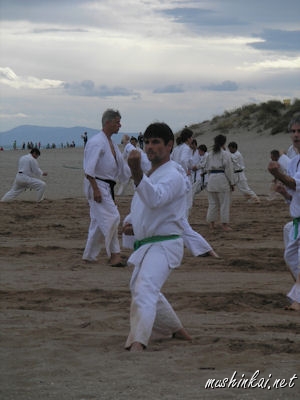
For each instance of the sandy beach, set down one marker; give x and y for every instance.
(64, 323)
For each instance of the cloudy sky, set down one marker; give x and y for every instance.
(63, 62)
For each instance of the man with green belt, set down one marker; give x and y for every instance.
(157, 209)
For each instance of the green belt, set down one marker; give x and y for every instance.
(296, 226)
(153, 239)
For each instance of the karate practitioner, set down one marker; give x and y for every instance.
(239, 173)
(183, 155)
(157, 208)
(220, 184)
(291, 192)
(103, 165)
(28, 177)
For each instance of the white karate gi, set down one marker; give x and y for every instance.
(105, 218)
(192, 240)
(240, 179)
(27, 177)
(218, 185)
(183, 155)
(157, 208)
(292, 244)
(145, 165)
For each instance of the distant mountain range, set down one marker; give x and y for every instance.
(49, 135)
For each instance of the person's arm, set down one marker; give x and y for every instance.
(96, 190)
(279, 188)
(274, 169)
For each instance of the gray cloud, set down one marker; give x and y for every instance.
(200, 17)
(225, 86)
(169, 89)
(275, 39)
(89, 89)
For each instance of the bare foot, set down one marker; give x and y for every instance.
(137, 347)
(89, 261)
(214, 254)
(211, 253)
(293, 307)
(212, 227)
(115, 259)
(182, 334)
(226, 228)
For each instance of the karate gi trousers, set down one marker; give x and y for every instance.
(150, 311)
(105, 220)
(23, 182)
(292, 258)
(218, 202)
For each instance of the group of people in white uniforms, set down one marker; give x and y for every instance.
(28, 177)
(182, 156)
(129, 144)
(291, 192)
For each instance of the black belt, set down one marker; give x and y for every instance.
(239, 170)
(20, 172)
(216, 171)
(111, 184)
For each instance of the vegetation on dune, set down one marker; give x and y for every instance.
(271, 117)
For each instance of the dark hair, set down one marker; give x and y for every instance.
(186, 134)
(202, 147)
(36, 151)
(233, 145)
(194, 141)
(219, 142)
(275, 153)
(159, 130)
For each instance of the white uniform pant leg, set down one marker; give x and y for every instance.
(294, 293)
(16, 189)
(213, 207)
(148, 305)
(166, 321)
(225, 201)
(39, 186)
(243, 187)
(193, 241)
(94, 242)
(292, 249)
(105, 219)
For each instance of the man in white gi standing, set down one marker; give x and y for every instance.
(28, 177)
(103, 165)
(291, 192)
(157, 209)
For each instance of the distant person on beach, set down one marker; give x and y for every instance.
(239, 174)
(198, 168)
(85, 138)
(141, 140)
(290, 190)
(28, 177)
(156, 209)
(183, 155)
(130, 143)
(220, 184)
(103, 165)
